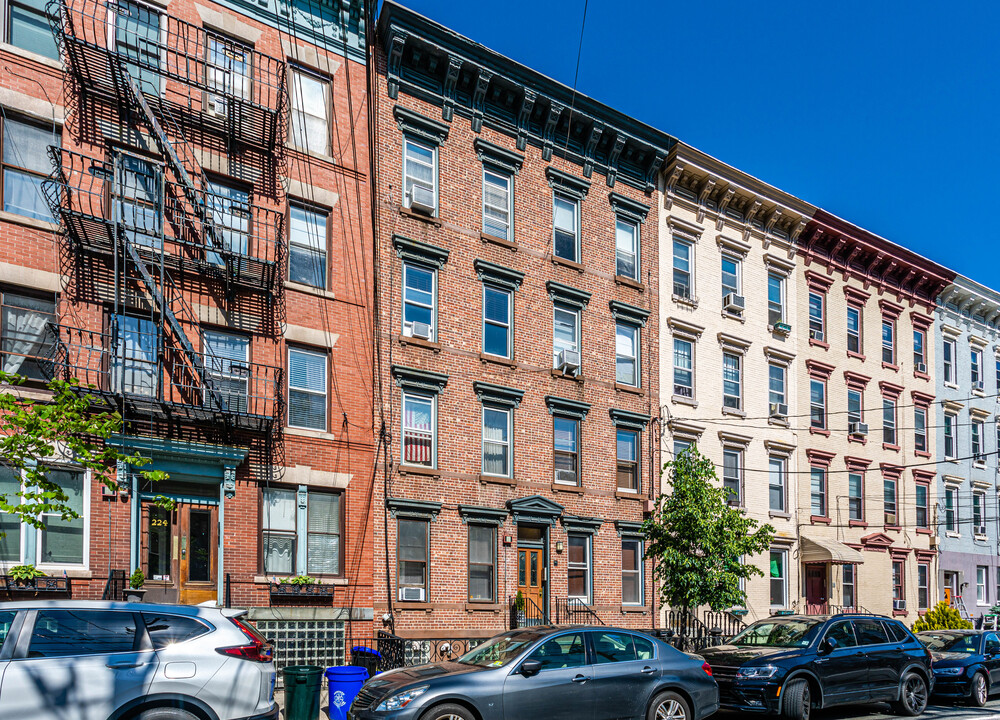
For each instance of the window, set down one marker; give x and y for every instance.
(853, 329)
(10, 525)
(165, 630)
(419, 302)
(613, 647)
(135, 369)
(482, 560)
(497, 320)
(921, 504)
(25, 165)
(978, 505)
(919, 356)
(626, 249)
(565, 433)
(732, 475)
(227, 363)
(683, 368)
(229, 208)
(418, 430)
(563, 651)
(982, 597)
(631, 572)
(854, 406)
(307, 235)
(816, 317)
(870, 631)
(628, 460)
(70, 633)
(278, 531)
(627, 354)
(923, 586)
(323, 534)
(566, 332)
(683, 285)
(497, 441)
(888, 421)
(730, 276)
(306, 389)
(61, 542)
(28, 28)
(889, 501)
(497, 210)
(976, 369)
(898, 589)
(818, 492)
(227, 68)
(848, 585)
(855, 496)
(579, 570)
(949, 435)
(566, 223)
(949, 509)
(779, 580)
(282, 535)
(775, 299)
(948, 347)
(817, 404)
(976, 431)
(309, 122)
(888, 342)
(25, 338)
(419, 174)
(137, 30)
(138, 200)
(732, 383)
(776, 483)
(920, 429)
(998, 373)
(776, 384)
(412, 546)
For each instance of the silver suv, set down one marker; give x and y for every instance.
(72, 659)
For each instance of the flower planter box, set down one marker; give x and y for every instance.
(293, 591)
(38, 585)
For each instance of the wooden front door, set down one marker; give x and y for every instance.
(816, 589)
(531, 576)
(179, 552)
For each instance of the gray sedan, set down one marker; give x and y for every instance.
(554, 673)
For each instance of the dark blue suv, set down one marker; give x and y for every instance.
(794, 664)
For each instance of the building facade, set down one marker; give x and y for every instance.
(866, 496)
(517, 273)
(730, 347)
(185, 228)
(967, 374)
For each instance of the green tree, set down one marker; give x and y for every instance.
(34, 435)
(698, 542)
(941, 617)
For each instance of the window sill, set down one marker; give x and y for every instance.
(857, 439)
(688, 301)
(922, 453)
(316, 155)
(684, 400)
(775, 331)
(821, 519)
(778, 422)
(33, 56)
(951, 385)
(268, 579)
(567, 376)
(979, 393)
(631, 389)
(494, 240)
(560, 487)
(895, 528)
(629, 282)
(73, 573)
(733, 315)
(629, 495)
(309, 290)
(819, 431)
(952, 534)
(417, 470)
(419, 342)
(16, 219)
(890, 446)
(857, 523)
(411, 605)
(819, 343)
(922, 376)
(733, 411)
(852, 354)
(483, 607)
(979, 465)
(981, 538)
(497, 360)
(776, 514)
(306, 432)
(497, 480)
(900, 613)
(572, 265)
(429, 219)
(924, 531)
(890, 366)
(634, 610)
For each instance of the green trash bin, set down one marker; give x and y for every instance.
(302, 686)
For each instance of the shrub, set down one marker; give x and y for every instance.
(941, 617)
(137, 580)
(24, 573)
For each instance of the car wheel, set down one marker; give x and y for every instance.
(165, 713)
(669, 706)
(447, 712)
(980, 692)
(797, 703)
(912, 696)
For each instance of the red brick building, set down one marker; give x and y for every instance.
(196, 244)
(517, 285)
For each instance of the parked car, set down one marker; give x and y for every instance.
(551, 673)
(129, 661)
(792, 665)
(966, 663)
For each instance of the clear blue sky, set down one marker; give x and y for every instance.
(885, 113)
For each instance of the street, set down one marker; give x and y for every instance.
(951, 711)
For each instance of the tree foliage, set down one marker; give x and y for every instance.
(37, 435)
(698, 542)
(941, 617)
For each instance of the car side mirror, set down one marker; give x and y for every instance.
(530, 668)
(828, 646)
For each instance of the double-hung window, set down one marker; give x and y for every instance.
(25, 338)
(976, 369)
(920, 429)
(779, 578)
(323, 531)
(632, 571)
(579, 570)
(279, 533)
(307, 242)
(923, 585)
(976, 431)
(309, 124)
(817, 477)
(817, 404)
(981, 595)
(776, 384)
(626, 354)
(683, 368)
(627, 249)
(10, 524)
(628, 460)
(413, 558)
(683, 277)
(775, 299)
(853, 329)
(497, 204)
(950, 510)
(919, 353)
(482, 563)
(948, 364)
(419, 174)
(25, 164)
(978, 507)
(61, 541)
(498, 317)
(776, 483)
(419, 301)
(889, 501)
(306, 389)
(888, 421)
(134, 369)
(497, 441)
(566, 449)
(950, 443)
(730, 276)
(566, 227)
(855, 496)
(732, 475)
(898, 588)
(565, 333)
(848, 585)
(888, 342)
(419, 431)
(817, 316)
(227, 363)
(29, 28)
(921, 504)
(854, 406)
(732, 381)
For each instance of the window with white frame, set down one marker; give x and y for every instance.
(565, 332)
(683, 368)
(413, 558)
(948, 360)
(849, 586)
(61, 541)
(628, 459)
(566, 227)
(419, 301)
(776, 384)
(284, 534)
(898, 585)
(854, 406)
(920, 495)
(498, 316)
(855, 496)
(853, 329)
(889, 500)
(779, 578)
(497, 204)
(626, 354)
(309, 125)
(626, 248)
(306, 389)
(920, 429)
(888, 421)
(497, 441)
(976, 431)
(776, 483)
(730, 275)
(817, 316)
(29, 27)
(950, 439)
(817, 477)
(923, 586)
(997, 373)
(482, 563)
(279, 531)
(419, 431)
(307, 242)
(566, 449)
(632, 584)
(976, 368)
(579, 569)
(732, 381)
(888, 341)
(683, 274)
(419, 174)
(732, 474)
(775, 299)
(950, 510)
(982, 597)
(25, 340)
(24, 164)
(817, 404)
(919, 353)
(10, 524)
(978, 511)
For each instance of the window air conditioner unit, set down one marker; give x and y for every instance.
(567, 477)
(816, 335)
(921, 367)
(980, 530)
(979, 385)
(411, 594)
(422, 200)
(419, 330)
(568, 361)
(899, 604)
(890, 518)
(734, 302)
(778, 410)
(215, 104)
(857, 429)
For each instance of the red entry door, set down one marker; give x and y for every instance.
(816, 589)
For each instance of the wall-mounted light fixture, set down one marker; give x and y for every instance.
(559, 546)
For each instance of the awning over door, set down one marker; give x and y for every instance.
(829, 551)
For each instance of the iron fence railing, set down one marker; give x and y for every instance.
(573, 611)
(114, 588)
(524, 612)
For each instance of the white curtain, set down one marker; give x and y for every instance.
(23, 332)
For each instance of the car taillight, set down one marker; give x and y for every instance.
(706, 667)
(257, 650)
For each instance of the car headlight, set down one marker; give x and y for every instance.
(949, 671)
(757, 672)
(401, 700)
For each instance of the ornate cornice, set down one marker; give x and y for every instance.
(490, 394)
(498, 274)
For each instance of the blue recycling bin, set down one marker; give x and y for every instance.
(344, 683)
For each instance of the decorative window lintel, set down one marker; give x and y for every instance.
(577, 523)
(628, 208)
(567, 294)
(413, 509)
(566, 183)
(421, 380)
(413, 123)
(421, 252)
(482, 515)
(628, 313)
(496, 155)
(630, 529)
(498, 274)
(630, 420)
(490, 394)
(566, 407)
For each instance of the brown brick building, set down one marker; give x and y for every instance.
(517, 257)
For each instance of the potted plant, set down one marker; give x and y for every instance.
(134, 592)
(298, 580)
(24, 575)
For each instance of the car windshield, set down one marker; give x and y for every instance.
(779, 633)
(950, 642)
(500, 650)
